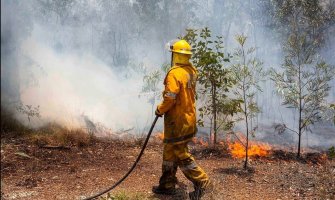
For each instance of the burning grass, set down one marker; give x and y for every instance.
(237, 149)
(227, 147)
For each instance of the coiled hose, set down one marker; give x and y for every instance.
(132, 167)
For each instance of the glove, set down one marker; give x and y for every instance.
(157, 113)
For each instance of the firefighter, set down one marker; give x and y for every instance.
(178, 108)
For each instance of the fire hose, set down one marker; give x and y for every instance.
(132, 167)
(169, 46)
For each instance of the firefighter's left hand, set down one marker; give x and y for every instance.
(157, 113)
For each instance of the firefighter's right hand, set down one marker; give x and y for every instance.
(157, 113)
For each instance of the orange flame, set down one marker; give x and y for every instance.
(255, 149)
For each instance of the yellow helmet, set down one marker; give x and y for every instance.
(182, 47)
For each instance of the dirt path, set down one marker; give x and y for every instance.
(78, 172)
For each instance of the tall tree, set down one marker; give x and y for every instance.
(303, 81)
(213, 77)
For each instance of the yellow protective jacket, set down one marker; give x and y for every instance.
(178, 105)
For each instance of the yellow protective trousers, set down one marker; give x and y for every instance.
(177, 155)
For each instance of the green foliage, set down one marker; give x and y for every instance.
(150, 84)
(247, 71)
(312, 17)
(209, 59)
(304, 85)
(151, 81)
(303, 81)
(213, 77)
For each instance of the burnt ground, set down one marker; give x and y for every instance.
(32, 172)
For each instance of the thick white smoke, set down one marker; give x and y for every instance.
(70, 86)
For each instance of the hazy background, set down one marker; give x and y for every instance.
(83, 61)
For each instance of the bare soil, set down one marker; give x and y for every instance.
(29, 171)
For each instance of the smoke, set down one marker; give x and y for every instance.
(72, 85)
(44, 66)
(84, 61)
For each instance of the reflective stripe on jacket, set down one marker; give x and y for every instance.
(178, 105)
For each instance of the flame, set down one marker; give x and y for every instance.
(236, 148)
(255, 149)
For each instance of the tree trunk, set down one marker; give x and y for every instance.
(214, 113)
(300, 112)
(299, 134)
(247, 126)
(300, 105)
(245, 112)
(247, 144)
(211, 132)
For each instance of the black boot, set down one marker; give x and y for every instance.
(200, 190)
(196, 194)
(162, 190)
